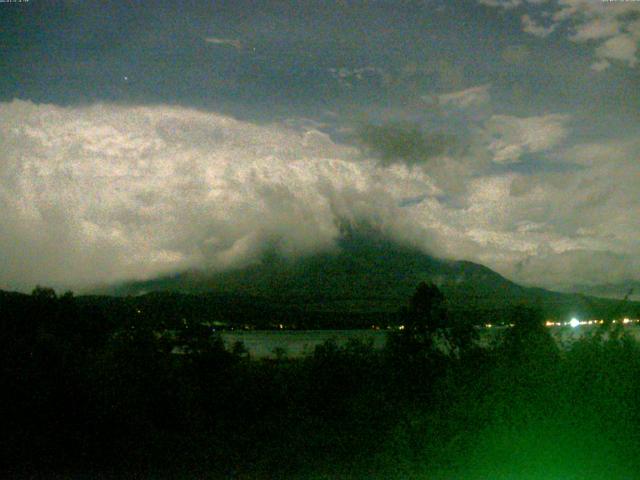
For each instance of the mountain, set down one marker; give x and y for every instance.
(367, 274)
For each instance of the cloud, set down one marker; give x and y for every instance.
(587, 265)
(501, 3)
(596, 29)
(510, 137)
(591, 231)
(237, 44)
(612, 28)
(104, 193)
(534, 28)
(508, 4)
(621, 47)
(474, 96)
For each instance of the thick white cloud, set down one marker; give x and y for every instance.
(105, 193)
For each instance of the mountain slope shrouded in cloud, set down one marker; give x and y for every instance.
(105, 193)
(369, 273)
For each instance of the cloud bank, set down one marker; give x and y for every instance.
(105, 193)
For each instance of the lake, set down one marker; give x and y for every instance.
(296, 343)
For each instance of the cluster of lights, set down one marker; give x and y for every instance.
(574, 322)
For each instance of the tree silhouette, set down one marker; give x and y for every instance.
(43, 293)
(427, 312)
(425, 316)
(528, 339)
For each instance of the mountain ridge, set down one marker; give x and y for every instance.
(370, 273)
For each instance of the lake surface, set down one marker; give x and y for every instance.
(296, 343)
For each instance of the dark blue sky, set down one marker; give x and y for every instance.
(78, 52)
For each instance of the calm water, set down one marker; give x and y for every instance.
(263, 343)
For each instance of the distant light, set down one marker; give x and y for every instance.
(574, 322)
(626, 320)
(401, 327)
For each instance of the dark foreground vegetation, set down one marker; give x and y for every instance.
(92, 395)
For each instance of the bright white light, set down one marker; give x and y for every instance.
(574, 322)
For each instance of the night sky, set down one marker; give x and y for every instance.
(138, 139)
